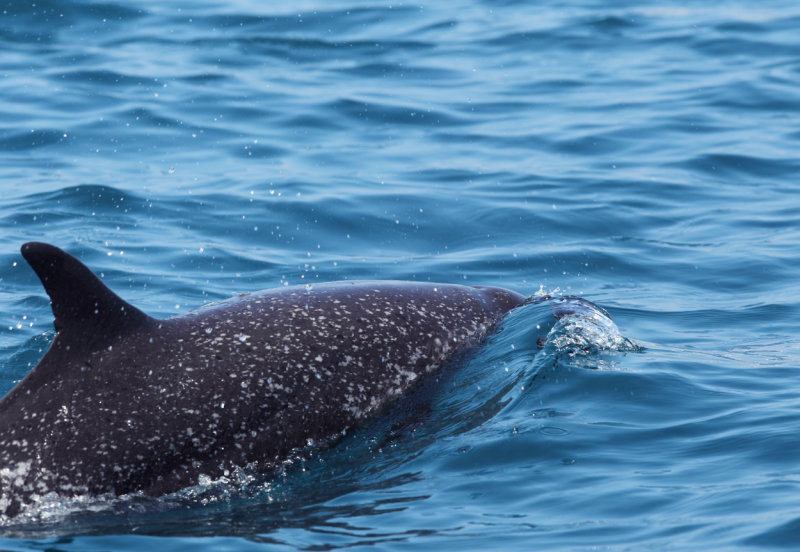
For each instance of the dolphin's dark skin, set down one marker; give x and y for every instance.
(122, 402)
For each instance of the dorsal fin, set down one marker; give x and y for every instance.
(80, 301)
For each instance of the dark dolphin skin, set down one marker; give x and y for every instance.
(122, 402)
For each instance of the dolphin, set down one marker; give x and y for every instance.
(123, 403)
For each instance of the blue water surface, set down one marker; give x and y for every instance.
(643, 156)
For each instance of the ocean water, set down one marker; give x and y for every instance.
(645, 157)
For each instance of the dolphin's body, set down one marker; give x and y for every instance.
(122, 402)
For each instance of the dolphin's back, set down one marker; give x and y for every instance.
(122, 402)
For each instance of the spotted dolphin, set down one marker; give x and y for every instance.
(122, 402)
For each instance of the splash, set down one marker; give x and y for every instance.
(584, 335)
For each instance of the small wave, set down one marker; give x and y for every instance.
(584, 336)
(727, 164)
(590, 327)
(385, 113)
(34, 139)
